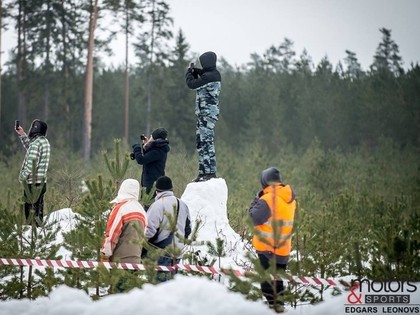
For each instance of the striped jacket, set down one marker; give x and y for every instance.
(37, 158)
(125, 232)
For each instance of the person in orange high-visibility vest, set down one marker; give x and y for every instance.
(273, 212)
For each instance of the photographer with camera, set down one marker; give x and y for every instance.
(152, 154)
(34, 167)
(207, 83)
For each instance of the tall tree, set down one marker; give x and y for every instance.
(130, 12)
(387, 56)
(180, 102)
(70, 50)
(152, 45)
(87, 125)
(42, 25)
(354, 69)
(21, 57)
(3, 14)
(281, 58)
(1, 31)
(305, 64)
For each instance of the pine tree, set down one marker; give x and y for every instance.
(151, 46)
(22, 240)
(354, 69)
(86, 239)
(387, 57)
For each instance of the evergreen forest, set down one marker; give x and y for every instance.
(346, 138)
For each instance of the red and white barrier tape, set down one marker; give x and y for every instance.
(185, 267)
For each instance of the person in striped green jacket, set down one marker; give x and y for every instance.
(33, 173)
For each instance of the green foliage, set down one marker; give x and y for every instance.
(116, 167)
(346, 140)
(21, 240)
(86, 239)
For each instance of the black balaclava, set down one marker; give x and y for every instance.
(38, 128)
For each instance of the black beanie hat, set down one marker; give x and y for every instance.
(160, 133)
(269, 176)
(163, 183)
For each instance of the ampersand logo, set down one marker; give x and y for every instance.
(353, 297)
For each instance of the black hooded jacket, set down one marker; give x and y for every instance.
(153, 160)
(196, 78)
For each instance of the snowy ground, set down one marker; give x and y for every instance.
(190, 295)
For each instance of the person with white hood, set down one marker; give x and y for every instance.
(125, 227)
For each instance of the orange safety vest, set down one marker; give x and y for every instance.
(280, 200)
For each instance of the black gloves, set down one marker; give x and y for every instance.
(136, 150)
(136, 147)
(195, 72)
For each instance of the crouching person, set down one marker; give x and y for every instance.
(169, 224)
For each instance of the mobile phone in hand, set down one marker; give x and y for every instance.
(17, 124)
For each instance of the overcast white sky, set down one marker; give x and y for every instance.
(236, 28)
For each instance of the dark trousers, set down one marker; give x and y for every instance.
(271, 290)
(36, 205)
(163, 276)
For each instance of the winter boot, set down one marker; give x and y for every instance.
(204, 177)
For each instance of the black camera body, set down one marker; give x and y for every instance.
(17, 124)
(142, 137)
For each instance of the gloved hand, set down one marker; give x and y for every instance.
(197, 71)
(136, 148)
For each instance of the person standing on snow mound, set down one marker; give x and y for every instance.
(273, 212)
(207, 83)
(152, 154)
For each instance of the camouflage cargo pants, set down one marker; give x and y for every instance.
(205, 145)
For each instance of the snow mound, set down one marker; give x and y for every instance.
(66, 219)
(207, 202)
(184, 295)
